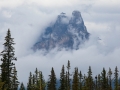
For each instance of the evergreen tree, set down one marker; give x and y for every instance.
(89, 80)
(7, 64)
(103, 79)
(62, 79)
(99, 82)
(41, 82)
(52, 81)
(107, 86)
(14, 79)
(36, 81)
(36, 76)
(29, 85)
(33, 79)
(84, 83)
(33, 86)
(3, 71)
(68, 76)
(80, 80)
(66, 80)
(75, 84)
(22, 87)
(109, 78)
(4, 68)
(96, 83)
(116, 79)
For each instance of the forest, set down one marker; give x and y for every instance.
(67, 80)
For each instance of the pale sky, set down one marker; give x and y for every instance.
(27, 19)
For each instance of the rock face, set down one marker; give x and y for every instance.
(64, 33)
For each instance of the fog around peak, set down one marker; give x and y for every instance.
(27, 19)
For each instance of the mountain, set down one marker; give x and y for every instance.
(64, 33)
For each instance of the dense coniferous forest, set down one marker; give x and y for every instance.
(67, 81)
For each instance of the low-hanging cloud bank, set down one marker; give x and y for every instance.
(27, 20)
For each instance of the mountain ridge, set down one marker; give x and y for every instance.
(64, 33)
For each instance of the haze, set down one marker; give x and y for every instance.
(27, 19)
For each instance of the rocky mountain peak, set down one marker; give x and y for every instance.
(62, 19)
(76, 13)
(76, 18)
(64, 33)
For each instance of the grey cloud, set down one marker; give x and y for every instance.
(28, 20)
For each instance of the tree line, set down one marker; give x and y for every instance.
(67, 81)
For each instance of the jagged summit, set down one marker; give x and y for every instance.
(76, 18)
(61, 18)
(64, 33)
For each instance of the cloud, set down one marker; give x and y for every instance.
(10, 4)
(27, 19)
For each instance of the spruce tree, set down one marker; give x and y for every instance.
(3, 68)
(99, 82)
(66, 80)
(62, 79)
(41, 82)
(68, 76)
(52, 81)
(109, 78)
(7, 61)
(107, 86)
(104, 79)
(22, 87)
(80, 80)
(89, 80)
(84, 83)
(36, 81)
(29, 85)
(3, 72)
(75, 84)
(33, 79)
(116, 79)
(36, 76)
(96, 82)
(14, 79)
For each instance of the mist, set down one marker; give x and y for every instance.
(27, 20)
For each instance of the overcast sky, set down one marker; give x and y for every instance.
(27, 19)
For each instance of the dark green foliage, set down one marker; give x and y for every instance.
(96, 82)
(80, 79)
(68, 76)
(29, 85)
(99, 82)
(33, 79)
(89, 80)
(52, 81)
(66, 80)
(104, 79)
(4, 68)
(84, 83)
(8, 75)
(36, 81)
(9, 81)
(75, 83)
(41, 82)
(109, 79)
(36, 76)
(14, 79)
(116, 79)
(62, 79)
(22, 87)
